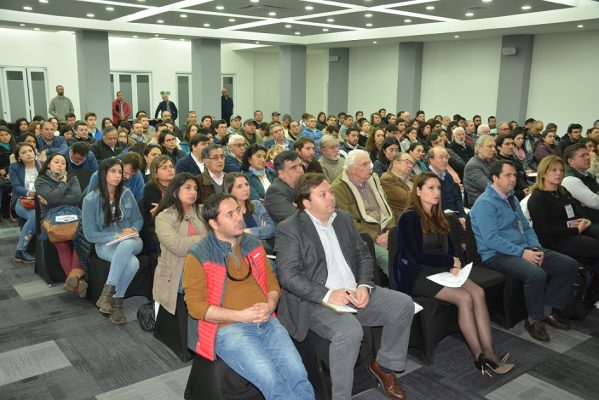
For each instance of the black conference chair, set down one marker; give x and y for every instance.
(47, 264)
(172, 329)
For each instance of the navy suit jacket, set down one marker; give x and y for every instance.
(162, 107)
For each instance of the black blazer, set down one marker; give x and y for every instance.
(302, 268)
(162, 107)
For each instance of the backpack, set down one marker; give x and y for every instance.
(582, 299)
(145, 316)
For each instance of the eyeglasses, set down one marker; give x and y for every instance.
(238, 144)
(217, 157)
(170, 140)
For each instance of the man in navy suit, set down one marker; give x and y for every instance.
(166, 105)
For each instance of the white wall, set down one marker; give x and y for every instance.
(460, 76)
(373, 78)
(266, 84)
(564, 81)
(240, 64)
(317, 78)
(53, 51)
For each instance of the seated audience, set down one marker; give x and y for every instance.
(271, 154)
(312, 133)
(150, 152)
(306, 150)
(48, 143)
(573, 136)
(79, 157)
(137, 135)
(359, 192)
(520, 152)
(508, 244)
(278, 138)
(254, 167)
(246, 295)
(580, 183)
(256, 218)
(110, 212)
(211, 180)
(438, 159)
(82, 133)
(162, 172)
(56, 187)
(322, 259)
(459, 145)
(416, 150)
(132, 177)
(388, 150)
(190, 131)
(554, 218)
(23, 174)
(192, 162)
(397, 183)
(424, 249)
(168, 141)
(179, 226)
(505, 151)
(374, 143)
(7, 147)
(408, 137)
(546, 146)
(478, 168)
(234, 153)
(330, 159)
(351, 140)
(278, 199)
(108, 146)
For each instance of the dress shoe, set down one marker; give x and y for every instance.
(24, 257)
(537, 330)
(388, 382)
(556, 322)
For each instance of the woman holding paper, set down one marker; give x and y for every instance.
(56, 187)
(111, 220)
(429, 253)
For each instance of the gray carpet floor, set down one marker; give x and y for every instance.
(54, 345)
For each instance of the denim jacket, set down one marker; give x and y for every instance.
(93, 217)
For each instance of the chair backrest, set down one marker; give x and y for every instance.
(392, 242)
(471, 249)
(376, 270)
(83, 176)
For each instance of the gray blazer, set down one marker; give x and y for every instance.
(278, 200)
(302, 268)
(477, 174)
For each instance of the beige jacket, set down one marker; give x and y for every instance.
(174, 244)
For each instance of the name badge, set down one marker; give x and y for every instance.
(569, 210)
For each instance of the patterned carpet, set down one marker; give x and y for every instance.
(54, 345)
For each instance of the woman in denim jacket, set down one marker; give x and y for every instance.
(110, 212)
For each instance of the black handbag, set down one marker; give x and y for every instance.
(145, 316)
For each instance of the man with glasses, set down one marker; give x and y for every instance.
(235, 149)
(232, 292)
(278, 137)
(211, 180)
(79, 157)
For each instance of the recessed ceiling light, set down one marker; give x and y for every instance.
(254, 1)
(183, 15)
(580, 26)
(109, 8)
(160, 21)
(257, 42)
(90, 15)
(487, 1)
(36, 29)
(330, 19)
(325, 29)
(206, 25)
(288, 26)
(156, 35)
(272, 14)
(134, 36)
(220, 8)
(368, 15)
(374, 42)
(297, 33)
(469, 14)
(43, 1)
(182, 39)
(27, 8)
(526, 7)
(407, 20)
(309, 8)
(232, 19)
(430, 8)
(22, 25)
(369, 25)
(456, 36)
(141, 1)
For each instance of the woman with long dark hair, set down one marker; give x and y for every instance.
(259, 177)
(110, 212)
(56, 187)
(424, 249)
(168, 141)
(374, 143)
(389, 149)
(150, 152)
(179, 225)
(162, 172)
(21, 127)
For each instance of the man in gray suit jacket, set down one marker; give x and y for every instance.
(321, 258)
(278, 199)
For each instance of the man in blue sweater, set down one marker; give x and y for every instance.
(49, 143)
(508, 244)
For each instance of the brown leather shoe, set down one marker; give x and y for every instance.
(388, 382)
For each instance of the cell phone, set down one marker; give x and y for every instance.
(572, 223)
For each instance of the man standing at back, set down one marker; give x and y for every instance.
(121, 110)
(166, 105)
(60, 105)
(226, 105)
(321, 258)
(231, 290)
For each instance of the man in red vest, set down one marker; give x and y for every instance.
(231, 290)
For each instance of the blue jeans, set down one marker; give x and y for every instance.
(123, 263)
(28, 230)
(561, 270)
(264, 355)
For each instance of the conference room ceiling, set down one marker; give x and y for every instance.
(308, 22)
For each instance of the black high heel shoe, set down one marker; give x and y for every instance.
(482, 364)
(500, 368)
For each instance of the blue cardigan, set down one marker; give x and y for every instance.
(17, 180)
(256, 189)
(266, 226)
(411, 256)
(136, 184)
(496, 227)
(59, 145)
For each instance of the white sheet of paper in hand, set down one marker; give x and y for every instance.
(417, 308)
(115, 241)
(340, 309)
(448, 279)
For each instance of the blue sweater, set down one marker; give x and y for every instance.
(496, 228)
(266, 227)
(58, 145)
(93, 217)
(136, 184)
(451, 198)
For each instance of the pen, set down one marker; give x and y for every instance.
(351, 297)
